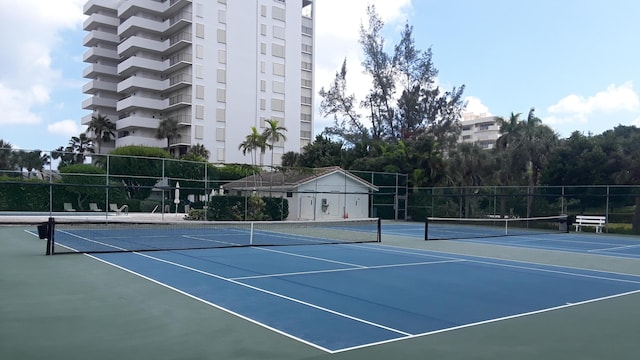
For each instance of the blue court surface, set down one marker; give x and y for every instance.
(577, 242)
(341, 297)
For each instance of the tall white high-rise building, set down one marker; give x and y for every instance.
(218, 67)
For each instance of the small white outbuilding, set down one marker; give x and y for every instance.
(312, 194)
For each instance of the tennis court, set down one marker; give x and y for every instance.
(402, 296)
(578, 242)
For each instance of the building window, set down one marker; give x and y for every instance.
(222, 76)
(277, 50)
(222, 36)
(263, 85)
(278, 69)
(199, 133)
(200, 31)
(263, 48)
(263, 10)
(222, 56)
(200, 92)
(277, 105)
(221, 154)
(263, 29)
(220, 134)
(263, 104)
(278, 13)
(221, 95)
(278, 32)
(199, 71)
(199, 51)
(278, 87)
(221, 115)
(199, 112)
(222, 16)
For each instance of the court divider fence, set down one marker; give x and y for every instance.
(115, 184)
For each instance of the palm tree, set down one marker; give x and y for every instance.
(35, 160)
(199, 150)
(168, 129)
(103, 130)
(80, 146)
(273, 134)
(252, 143)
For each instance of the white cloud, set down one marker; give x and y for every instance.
(476, 107)
(15, 105)
(29, 32)
(65, 127)
(614, 98)
(601, 111)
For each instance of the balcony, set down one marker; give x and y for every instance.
(92, 6)
(133, 139)
(137, 122)
(179, 21)
(94, 70)
(96, 101)
(99, 20)
(177, 82)
(134, 63)
(111, 115)
(178, 62)
(134, 24)
(95, 37)
(134, 44)
(176, 5)
(133, 102)
(131, 7)
(94, 86)
(178, 101)
(95, 53)
(136, 82)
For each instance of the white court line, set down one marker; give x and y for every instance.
(426, 252)
(347, 269)
(311, 257)
(616, 248)
(490, 321)
(212, 304)
(274, 294)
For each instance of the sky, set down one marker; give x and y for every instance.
(577, 62)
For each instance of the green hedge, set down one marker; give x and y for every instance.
(239, 208)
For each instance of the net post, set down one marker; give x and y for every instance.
(251, 234)
(426, 229)
(50, 231)
(379, 230)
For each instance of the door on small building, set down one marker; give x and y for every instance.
(307, 207)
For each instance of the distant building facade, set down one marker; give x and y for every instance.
(482, 130)
(218, 67)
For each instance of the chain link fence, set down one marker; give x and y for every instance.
(116, 183)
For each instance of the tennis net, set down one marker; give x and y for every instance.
(82, 236)
(468, 228)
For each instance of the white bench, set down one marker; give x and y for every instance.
(596, 221)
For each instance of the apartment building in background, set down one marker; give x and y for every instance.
(480, 129)
(218, 67)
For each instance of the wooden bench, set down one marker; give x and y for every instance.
(596, 221)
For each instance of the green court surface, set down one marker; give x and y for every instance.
(76, 307)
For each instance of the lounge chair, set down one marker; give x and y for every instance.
(94, 207)
(114, 208)
(68, 207)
